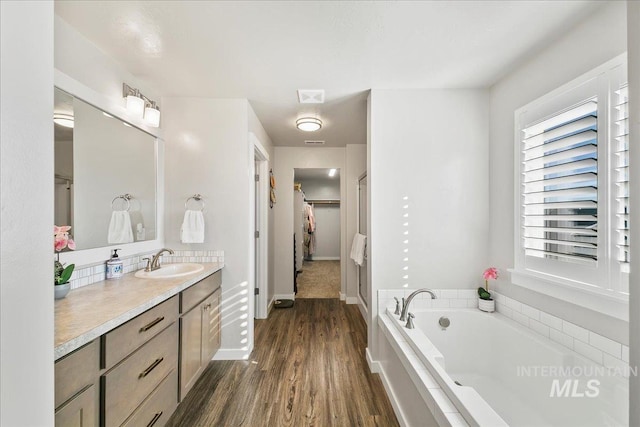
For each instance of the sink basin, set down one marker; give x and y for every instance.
(171, 271)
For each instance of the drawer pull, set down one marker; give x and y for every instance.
(152, 324)
(155, 419)
(150, 368)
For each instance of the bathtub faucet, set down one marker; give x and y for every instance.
(405, 309)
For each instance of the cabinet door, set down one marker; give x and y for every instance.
(80, 411)
(210, 327)
(190, 348)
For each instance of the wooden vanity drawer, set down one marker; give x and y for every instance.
(130, 382)
(76, 371)
(157, 409)
(123, 340)
(190, 297)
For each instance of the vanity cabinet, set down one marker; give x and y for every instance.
(199, 330)
(76, 387)
(136, 374)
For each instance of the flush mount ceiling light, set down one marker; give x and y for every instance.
(61, 119)
(309, 124)
(141, 106)
(332, 172)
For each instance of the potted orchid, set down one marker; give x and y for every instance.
(62, 274)
(485, 301)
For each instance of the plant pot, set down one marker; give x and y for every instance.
(61, 291)
(487, 305)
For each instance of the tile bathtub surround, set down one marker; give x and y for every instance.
(447, 298)
(92, 273)
(587, 343)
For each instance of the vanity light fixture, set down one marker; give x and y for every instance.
(332, 173)
(152, 114)
(141, 106)
(62, 119)
(309, 124)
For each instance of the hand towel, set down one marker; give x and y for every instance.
(120, 228)
(358, 248)
(192, 230)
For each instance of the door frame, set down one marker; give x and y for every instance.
(362, 305)
(260, 250)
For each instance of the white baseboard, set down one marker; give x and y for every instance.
(374, 366)
(352, 300)
(392, 397)
(363, 310)
(325, 258)
(342, 296)
(284, 296)
(232, 354)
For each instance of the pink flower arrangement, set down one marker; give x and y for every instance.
(62, 239)
(490, 273)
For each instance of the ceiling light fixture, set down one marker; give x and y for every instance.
(332, 172)
(141, 106)
(61, 119)
(309, 124)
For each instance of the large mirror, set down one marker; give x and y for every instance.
(105, 176)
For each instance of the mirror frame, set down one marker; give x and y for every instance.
(114, 105)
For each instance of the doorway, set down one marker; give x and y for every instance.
(260, 199)
(317, 232)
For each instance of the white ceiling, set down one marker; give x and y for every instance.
(264, 51)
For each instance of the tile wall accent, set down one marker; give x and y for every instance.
(92, 273)
(589, 344)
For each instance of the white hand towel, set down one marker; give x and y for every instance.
(192, 230)
(120, 228)
(358, 247)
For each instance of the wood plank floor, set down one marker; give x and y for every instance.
(307, 369)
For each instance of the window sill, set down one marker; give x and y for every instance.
(606, 303)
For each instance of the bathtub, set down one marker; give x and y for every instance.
(497, 373)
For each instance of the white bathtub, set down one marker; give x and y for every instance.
(507, 372)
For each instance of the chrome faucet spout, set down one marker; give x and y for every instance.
(155, 261)
(405, 309)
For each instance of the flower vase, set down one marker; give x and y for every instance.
(61, 291)
(487, 305)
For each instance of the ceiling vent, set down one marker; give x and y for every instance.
(309, 142)
(311, 96)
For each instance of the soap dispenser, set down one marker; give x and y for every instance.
(114, 266)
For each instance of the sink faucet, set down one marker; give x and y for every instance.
(405, 309)
(155, 261)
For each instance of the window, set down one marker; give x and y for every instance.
(572, 229)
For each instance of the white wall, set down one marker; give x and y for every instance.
(356, 166)
(26, 214)
(286, 160)
(428, 168)
(596, 40)
(633, 37)
(208, 152)
(321, 189)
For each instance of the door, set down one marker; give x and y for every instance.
(362, 229)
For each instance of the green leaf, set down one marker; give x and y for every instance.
(66, 274)
(483, 294)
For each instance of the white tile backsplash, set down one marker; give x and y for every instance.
(561, 338)
(551, 321)
(606, 345)
(88, 274)
(575, 331)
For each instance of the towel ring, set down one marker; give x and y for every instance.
(126, 197)
(197, 198)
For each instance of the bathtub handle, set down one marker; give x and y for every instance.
(410, 318)
(397, 306)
